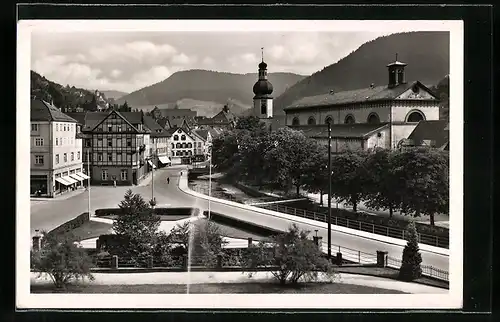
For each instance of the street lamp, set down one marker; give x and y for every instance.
(88, 174)
(329, 189)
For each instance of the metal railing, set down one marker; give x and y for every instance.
(399, 233)
(427, 270)
(353, 255)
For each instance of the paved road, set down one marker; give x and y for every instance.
(52, 213)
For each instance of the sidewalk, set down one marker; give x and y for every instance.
(63, 196)
(238, 277)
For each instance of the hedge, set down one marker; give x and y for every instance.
(159, 211)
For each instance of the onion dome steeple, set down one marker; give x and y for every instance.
(262, 88)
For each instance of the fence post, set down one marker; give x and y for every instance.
(37, 243)
(373, 229)
(381, 258)
(387, 231)
(339, 258)
(295, 211)
(437, 241)
(336, 224)
(304, 214)
(360, 225)
(249, 242)
(150, 261)
(359, 257)
(219, 261)
(314, 216)
(347, 223)
(114, 261)
(403, 234)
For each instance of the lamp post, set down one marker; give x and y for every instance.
(329, 190)
(209, 177)
(88, 174)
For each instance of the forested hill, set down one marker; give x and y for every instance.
(426, 53)
(205, 85)
(65, 97)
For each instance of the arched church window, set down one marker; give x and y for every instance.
(349, 119)
(295, 121)
(311, 121)
(415, 117)
(373, 118)
(328, 119)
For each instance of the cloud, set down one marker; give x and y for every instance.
(128, 61)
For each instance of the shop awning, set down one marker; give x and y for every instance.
(164, 160)
(70, 180)
(151, 164)
(64, 182)
(76, 177)
(83, 175)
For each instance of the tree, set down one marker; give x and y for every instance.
(137, 225)
(382, 185)
(250, 123)
(291, 256)
(424, 177)
(410, 265)
(61, 259)
(287, 157)
(225, 151)
(316, 179)
(349, 176)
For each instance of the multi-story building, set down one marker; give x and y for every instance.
(376, 116)
(116, 147)
(56, 151)
(182, 146)
(201, 138)
(159, 143)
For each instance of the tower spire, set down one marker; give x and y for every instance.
(396, 56)
(262, 53)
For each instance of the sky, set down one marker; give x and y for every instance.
(128, 61)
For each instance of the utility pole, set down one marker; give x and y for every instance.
(88, 173)
(329, 190)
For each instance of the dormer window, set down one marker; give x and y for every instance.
(176, 137)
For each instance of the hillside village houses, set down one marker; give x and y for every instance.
(56, 151)
(377, 116)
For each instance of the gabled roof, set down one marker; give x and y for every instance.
(41, 110)
(369, 94)
(151, 124)
(164, 123)
(435, 131)
(133, 117)
(359, 130)
(78, 116)
(201, 133)
(119, 115)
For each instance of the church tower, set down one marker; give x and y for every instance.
(263, 100)
(396, 73)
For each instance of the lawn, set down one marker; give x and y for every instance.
(91, 229)
(222, 288)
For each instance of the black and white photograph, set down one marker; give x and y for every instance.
(239, 164)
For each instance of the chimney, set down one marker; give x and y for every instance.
(332, 92)
(372, 85)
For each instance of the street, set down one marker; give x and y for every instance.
(48, 215)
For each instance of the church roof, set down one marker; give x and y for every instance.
(359, 130)
(369, 94)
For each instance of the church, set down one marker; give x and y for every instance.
(377, 116)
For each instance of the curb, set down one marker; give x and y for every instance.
(344, 230)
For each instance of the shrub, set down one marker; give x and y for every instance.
(291, 256)
(62, 260)
(410, 266)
